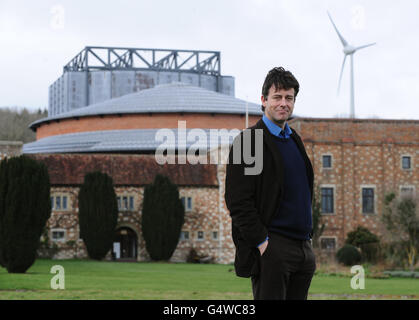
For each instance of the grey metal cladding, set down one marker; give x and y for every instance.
(130, 140)
(167, 98)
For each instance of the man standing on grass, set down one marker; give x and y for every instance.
(271, 210)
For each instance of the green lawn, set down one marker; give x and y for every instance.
(115, 280)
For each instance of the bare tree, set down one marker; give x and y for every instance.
(14, 123)
(402, 221)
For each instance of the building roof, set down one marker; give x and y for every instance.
(167, 98)
(135, 170)
(130, 140)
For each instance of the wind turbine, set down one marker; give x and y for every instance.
(348, 50)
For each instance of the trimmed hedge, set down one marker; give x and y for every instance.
(367, 242)
(98, 214)
(348, 255)
(25, 208)
(162, 218)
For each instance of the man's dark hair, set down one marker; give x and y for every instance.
(281, 79)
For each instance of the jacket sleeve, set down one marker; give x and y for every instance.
(240, 194)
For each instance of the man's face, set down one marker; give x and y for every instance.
(279, 104)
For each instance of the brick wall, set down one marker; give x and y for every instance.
(365, 153)
(143, 121)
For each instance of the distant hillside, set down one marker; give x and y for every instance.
(14, 123)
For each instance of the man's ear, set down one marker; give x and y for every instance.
(262, 99)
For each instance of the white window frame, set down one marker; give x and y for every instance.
(125, 205)
(61, 195)
(411, 162)
(187, 209)
(328, 237)
(212, 235)
(182, 235)
(370, 186)
(411, 186)
(133, 203)
(66, 203)
(197, 235)
(331, 161)
(58, 230)
(121, 207)
(333, 186)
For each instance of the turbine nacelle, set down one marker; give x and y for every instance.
(348, 49)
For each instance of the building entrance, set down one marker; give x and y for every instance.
(125, 244)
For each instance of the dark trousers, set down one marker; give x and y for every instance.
(285, 269)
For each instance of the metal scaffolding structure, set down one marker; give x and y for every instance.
(116, 58)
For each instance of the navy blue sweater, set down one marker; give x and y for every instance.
(293, 217)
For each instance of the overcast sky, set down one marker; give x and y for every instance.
(37, 38)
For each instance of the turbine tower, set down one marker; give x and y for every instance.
(348, 50)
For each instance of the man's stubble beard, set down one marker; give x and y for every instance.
(281, 123)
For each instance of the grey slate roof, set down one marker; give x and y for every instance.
(174, 97)
(128, 140)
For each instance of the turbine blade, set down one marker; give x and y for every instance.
(342, 39)
(341, 72)
(364, 46)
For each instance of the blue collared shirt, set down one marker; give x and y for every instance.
(277, 130)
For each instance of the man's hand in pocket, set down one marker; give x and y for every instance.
(263, 247)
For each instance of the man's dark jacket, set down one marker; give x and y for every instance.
(253, 200)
